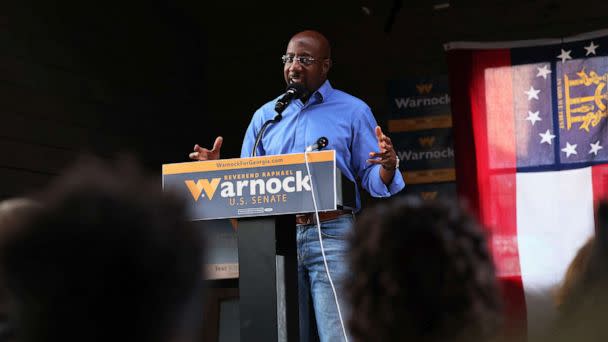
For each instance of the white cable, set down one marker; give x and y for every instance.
(314, 203)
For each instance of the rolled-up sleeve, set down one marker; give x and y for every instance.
(377, 188)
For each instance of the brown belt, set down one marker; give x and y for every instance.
(323, 216)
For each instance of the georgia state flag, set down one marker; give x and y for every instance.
(531, 147)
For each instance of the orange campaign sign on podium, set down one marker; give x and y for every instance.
(257, 186)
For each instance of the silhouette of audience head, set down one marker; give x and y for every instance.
(421, 271)
(573, 277)
(108, 256)
(584, 302)
(12, 211)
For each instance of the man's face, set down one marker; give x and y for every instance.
(313, 75)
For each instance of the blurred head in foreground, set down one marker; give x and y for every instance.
(107, 256)
(421, 271)
(583, 297)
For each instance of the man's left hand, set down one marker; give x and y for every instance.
(387, 156)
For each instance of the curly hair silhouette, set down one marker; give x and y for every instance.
(421, 271)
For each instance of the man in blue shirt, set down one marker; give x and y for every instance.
(363, 152)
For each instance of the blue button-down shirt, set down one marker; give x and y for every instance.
(345, 120)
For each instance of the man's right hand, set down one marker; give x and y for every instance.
(201, 153)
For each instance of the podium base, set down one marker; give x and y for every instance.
(268, 279)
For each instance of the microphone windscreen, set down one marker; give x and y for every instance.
(322, 142)
(299, 90)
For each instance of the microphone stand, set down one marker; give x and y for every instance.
(276, 119)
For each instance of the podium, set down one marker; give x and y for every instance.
(264, 193)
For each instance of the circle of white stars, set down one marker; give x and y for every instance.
(544, 70)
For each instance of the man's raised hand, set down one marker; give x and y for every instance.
(201, 153)
(387, 157)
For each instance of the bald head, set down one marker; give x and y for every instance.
(312, 75)
(321, 40)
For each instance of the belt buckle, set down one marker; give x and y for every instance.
(304, 219)
(311, 218)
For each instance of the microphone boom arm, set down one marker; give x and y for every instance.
(276, 119)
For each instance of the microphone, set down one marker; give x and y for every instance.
(319, 145)
(293, 91)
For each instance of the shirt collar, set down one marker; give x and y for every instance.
(323, 92)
